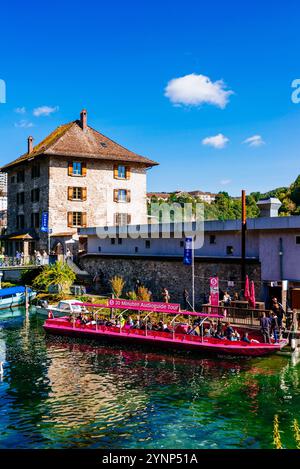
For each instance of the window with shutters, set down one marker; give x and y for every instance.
(76, 219)
(20, 198)
(122, 195)
(77, 168)
(21, 176)
(122, 219)
(121, 171)
(35, 220)
(77, 193)
(20, 222)
(35, 171)
(35, 195)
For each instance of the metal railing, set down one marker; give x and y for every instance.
(9, 261)
(244, 316)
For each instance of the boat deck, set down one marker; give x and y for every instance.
(63, 326)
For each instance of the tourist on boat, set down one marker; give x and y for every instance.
(165, 295)
(130, 321)
(191, 331)
(219, 331)
(138, 323)
(265, 327)
(246, 339)
(122, 321)
(229, 332)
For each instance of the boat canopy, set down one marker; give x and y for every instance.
(142, 306)
(13, 290)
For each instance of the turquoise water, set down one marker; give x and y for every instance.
(63, 393)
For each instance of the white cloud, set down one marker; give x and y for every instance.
(224, 182)
(194, 90)
(254, 141)
(20, 110)
(24, 124)
(44, 110)
(217, 141)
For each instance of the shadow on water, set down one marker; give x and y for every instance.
(61, 393)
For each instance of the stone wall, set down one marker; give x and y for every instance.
(157, 273)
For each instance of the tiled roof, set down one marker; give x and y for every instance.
(71, 140)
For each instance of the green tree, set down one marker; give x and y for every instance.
(55, 274)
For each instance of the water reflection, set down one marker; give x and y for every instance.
(70, 393)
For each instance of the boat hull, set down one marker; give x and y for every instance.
(15, 301)
(165, 340)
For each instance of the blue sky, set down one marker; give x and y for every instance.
(116, 59)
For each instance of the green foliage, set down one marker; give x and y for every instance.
(55, 274)
(132, 295)
(230, 208)
(28, 276)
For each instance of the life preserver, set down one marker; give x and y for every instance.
(50, 315)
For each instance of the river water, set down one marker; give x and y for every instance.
(67, 393)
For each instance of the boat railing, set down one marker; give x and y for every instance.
(239, 316)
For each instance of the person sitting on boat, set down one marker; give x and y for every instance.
(211, 329)
(236, 335)
(138, 323)
(130, 321)
(219, 332)
(191, 331)
(149, 325)
(229, 331)
(245, 338)
(166, 328)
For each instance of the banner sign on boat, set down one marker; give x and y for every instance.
(214, 293)
(136, 305)
(44, 222)
(188, 251)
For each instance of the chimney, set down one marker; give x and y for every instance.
(269, 207)
(30, 144)
(83, 119)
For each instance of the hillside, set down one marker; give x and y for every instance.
(226, 207)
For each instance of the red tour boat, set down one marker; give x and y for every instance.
(178, 337)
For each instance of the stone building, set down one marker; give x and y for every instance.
(75, 177)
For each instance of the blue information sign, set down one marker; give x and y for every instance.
(188, 251)
(44, 222)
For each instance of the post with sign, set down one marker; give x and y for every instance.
(45, 229)
(188, 259)
(214, 294)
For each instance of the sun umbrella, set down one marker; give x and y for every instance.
(247, 290)
(252, 294)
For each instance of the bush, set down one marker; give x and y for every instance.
(117, 285)
(55, 274)
(28, 276)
